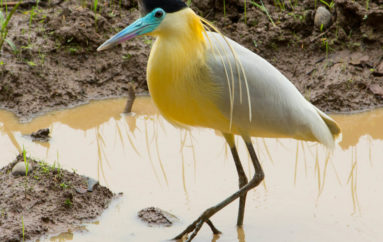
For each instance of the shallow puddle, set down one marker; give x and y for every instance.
(306, 196)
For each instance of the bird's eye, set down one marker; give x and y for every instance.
(158, 14)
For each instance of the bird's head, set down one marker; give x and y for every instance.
(154, 17)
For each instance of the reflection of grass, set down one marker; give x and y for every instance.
(267, 151)
(193, 153)
(149, 153)
(129, 136)
(101, 155)
(296, 164)
(183, 140)
(304, 157)
(352, 179)
(159, 157)
(321, 175)
(325, 172)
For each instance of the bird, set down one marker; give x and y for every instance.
(197, 77)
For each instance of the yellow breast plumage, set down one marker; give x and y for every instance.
(178, 77)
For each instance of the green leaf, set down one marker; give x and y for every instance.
(31, 63)
(2, 19)
(12, 45)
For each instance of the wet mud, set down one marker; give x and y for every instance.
(47, 200)
(54, 63)
(338, 69)
(153, 216)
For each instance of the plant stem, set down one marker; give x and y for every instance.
(4, 27)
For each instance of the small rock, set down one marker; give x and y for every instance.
(360, 60)
(322, 17)
(80, 190)
(20, 169)
(41, 135)
(376, 89)
(379, 70)
(91, 183)
(156, 216)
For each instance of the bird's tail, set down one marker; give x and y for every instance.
(333, 127)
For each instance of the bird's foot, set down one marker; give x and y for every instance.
(197, 224)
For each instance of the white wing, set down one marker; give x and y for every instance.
(276, 109)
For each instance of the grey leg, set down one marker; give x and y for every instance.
(241, 175)
(205, 216)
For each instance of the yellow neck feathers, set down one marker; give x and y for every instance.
(177, 74)
(180, 44)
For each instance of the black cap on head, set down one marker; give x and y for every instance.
(169, 6)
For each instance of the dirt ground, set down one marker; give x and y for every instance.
(48, 200)
(54, 63)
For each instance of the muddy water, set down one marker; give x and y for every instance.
(307, 195)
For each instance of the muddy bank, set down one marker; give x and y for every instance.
(338, 68)
(54, 64)
(48, 200)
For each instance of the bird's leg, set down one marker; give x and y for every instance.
(212, 227)
(241, 176)
(205, 216)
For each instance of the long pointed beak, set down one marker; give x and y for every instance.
(139, 27)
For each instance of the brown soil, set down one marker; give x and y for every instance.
(56, 64)
(349, 79)
(47, 200)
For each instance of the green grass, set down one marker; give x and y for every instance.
(244, 7)
(263, 9)
(4, 21)
(95, 9)
(22, 227)
(329, 5)
(326, 46)
(13, 46)
(45, 167)
(68, 203)
(95, 6)
(280, 4)
(63, 185)
(25, 161)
